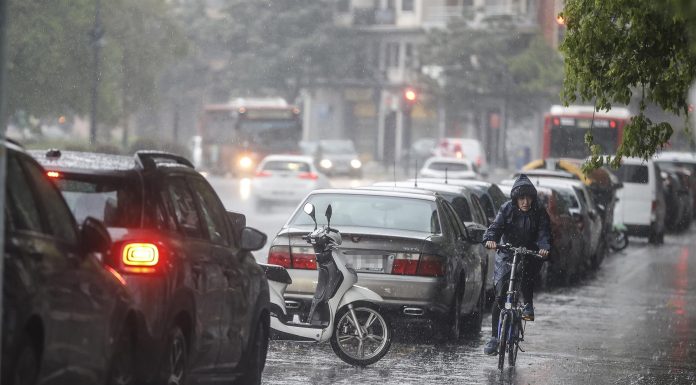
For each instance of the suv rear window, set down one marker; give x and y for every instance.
(113, 200)
(633, 173)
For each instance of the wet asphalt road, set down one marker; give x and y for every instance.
(631, 322)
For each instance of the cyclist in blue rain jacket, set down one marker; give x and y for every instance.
(522, 221)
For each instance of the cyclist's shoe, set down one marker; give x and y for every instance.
(491, 347)
(528, 312)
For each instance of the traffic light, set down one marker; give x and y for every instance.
(410, 98)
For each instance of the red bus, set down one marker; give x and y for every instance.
(565, 128)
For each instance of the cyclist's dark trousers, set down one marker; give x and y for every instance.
(529, 275)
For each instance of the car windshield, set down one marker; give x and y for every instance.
(449, 166)
(115, 201)
(337, 147)
(372, 211)
(281, 165)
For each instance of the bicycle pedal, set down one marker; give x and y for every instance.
(519, 347)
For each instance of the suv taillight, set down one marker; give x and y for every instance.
(308, 175)
(140, 257)
(261, 174)
(297, 257)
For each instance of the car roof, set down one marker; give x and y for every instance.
(457, 182)
(445, 159)
(411, 185)
(377, 191)
(547, 173)
(291, 158)
(675, 156)
(97, 163)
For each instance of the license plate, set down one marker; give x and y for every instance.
(369, 263)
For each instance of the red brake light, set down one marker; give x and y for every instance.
(53, 174)
(405, 264)
(279, 255)
(304, 258)
(308, 175)
(479, 161)
(556, 122)
(262, 173)
(431, 266)
(140, 257)
(653, 207)
(612, 124)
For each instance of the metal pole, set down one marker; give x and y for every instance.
(97, 34)
(3, 155)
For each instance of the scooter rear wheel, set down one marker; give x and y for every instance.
(376, 331)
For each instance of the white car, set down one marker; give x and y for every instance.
(641, 205)
(450, 168)
(285, 179)
(464, 148)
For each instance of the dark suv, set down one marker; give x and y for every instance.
(186, 261)
(67, 318)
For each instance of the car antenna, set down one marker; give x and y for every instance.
(415, 181)
(445, 175)
(394, 171)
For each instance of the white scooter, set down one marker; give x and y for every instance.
(341, 312)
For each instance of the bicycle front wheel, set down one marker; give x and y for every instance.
(502, 342)
(512, 344)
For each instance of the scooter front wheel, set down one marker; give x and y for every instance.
(361, 337)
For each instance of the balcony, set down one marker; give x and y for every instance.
(373, 16)
(440, 15)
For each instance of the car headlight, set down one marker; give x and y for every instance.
(355, 163)
(245, 162)
(326, 163)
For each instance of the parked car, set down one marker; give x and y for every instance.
(683, 160)
(464, 148)
(285, 179)
(338, 157)
(678, 198)
(567, 260)
(584, 211)
(489, 194)
(407, 245)
(467, 206)
(448, 168)
(67, 317)
(184, 259)
(641, 205)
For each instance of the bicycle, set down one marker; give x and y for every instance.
(510, 326)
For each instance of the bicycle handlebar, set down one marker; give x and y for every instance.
(521, 250)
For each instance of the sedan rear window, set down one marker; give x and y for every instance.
(442, 166)
(113, 200)
(280, 165)
(373, 211)
(633, 173)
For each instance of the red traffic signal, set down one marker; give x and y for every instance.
(410, 95)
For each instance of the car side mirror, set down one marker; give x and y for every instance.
(237, 223)
(475, 234)
(94, 236)
(252, 239)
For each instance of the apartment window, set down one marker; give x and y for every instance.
(410, 56)
(407, 5)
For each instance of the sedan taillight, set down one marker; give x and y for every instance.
(405, 264)
(140, 257)
(280, 255)
(308, 175)
(431, 266)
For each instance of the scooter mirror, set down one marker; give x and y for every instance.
(309, 210)
(329, 210)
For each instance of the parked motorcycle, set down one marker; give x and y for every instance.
(618, 237)
(345, 314)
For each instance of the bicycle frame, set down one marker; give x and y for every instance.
(510, 327)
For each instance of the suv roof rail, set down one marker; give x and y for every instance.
(148, 159)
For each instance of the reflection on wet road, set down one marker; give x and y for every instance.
(632, 322)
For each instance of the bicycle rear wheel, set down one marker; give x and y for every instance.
(502, 343)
